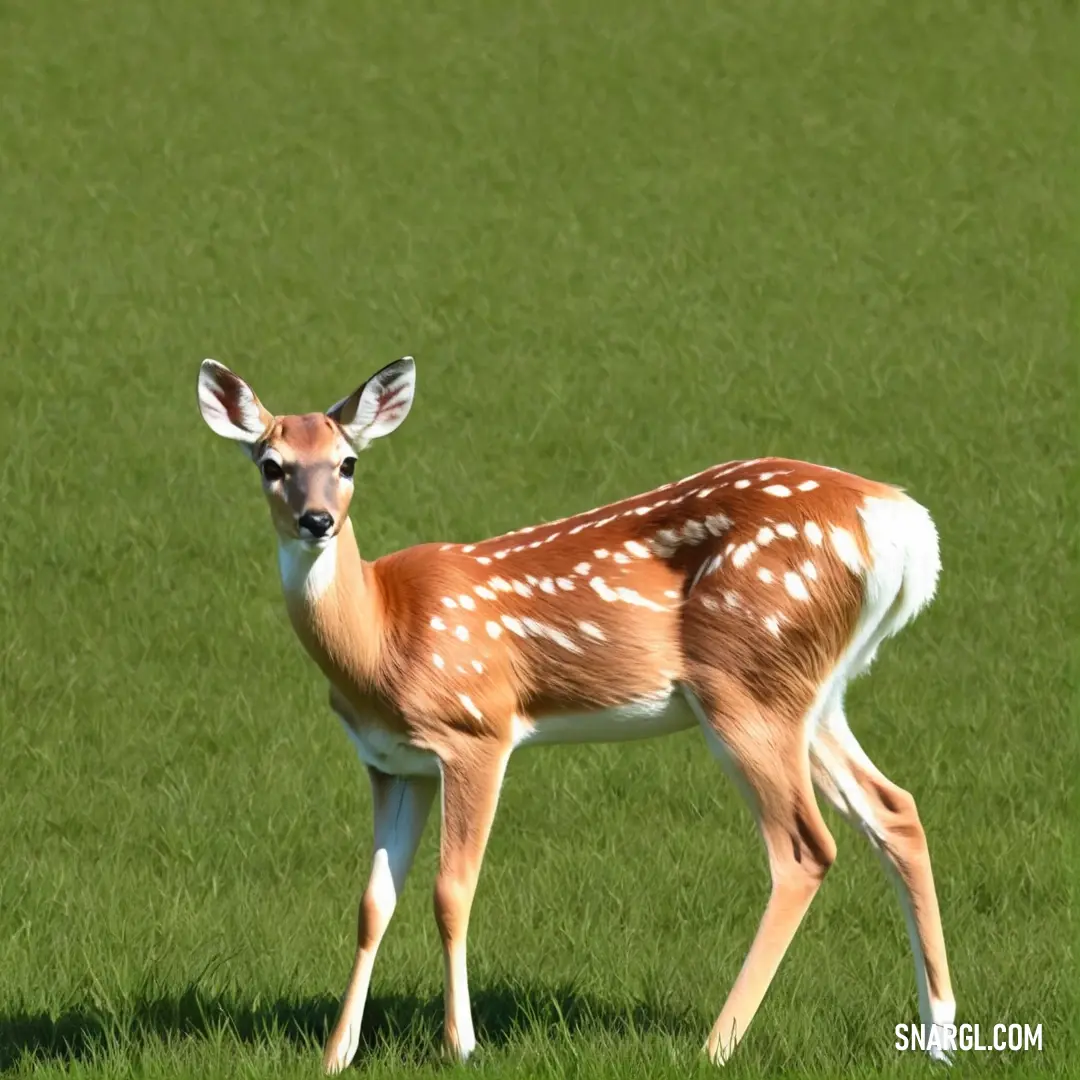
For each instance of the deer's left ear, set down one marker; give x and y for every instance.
(379, 406)
(229, 406)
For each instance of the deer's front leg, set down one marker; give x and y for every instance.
(472, 777)
(401, 806)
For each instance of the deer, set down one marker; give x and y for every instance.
(741, 601)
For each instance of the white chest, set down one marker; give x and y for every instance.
(307, 572)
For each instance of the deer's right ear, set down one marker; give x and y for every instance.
(229, 406)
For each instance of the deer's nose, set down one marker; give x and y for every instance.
(317, 523)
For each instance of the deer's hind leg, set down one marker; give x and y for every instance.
(887, 815)
(764, 750)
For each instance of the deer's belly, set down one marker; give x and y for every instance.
(646, 718)
(390, 753)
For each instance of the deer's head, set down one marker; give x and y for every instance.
(306, 461)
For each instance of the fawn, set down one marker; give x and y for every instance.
(742, 600)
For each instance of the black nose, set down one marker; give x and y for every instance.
(316, 522)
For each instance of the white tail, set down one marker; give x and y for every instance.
(743, 599)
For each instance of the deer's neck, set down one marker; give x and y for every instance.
(335, 607)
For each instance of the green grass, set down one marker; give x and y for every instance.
(624, 240)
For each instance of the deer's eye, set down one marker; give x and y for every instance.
(271, 470)
(347, 467)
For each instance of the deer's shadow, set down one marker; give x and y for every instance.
(500, 1010)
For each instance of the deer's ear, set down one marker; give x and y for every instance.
(379, 406)
(229, 406)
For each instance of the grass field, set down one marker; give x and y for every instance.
(624, 240)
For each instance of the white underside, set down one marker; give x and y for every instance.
(647, 718)
(664, 714)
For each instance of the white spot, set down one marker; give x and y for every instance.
(522, 589)
(742, 484)
(671, 594)
(520, 547)
(469, 547)
(483, 560)
(705, 492)
(581, 568)
(461, 633)
(788, 532)
(604, 521)
(772, 624)
(729, 549)
(501, 554)
(619, 557)
(547, 585)
(565, 584)
(449, 601)
(531, 580)
(808, 485)
(493, 628)
(766, 476)
(631, 597)
(641, 511)
(548, 539)
(717, 523)
(813, 532)
(599, 586)
(535, 544)
(437, 623)
(513, 625)
(639, 551)
(742, 554)
(470, 707)
(844, 545)
(438, 661)
(778, 490)
(592, 630)
(499, 584)
(484, 592)
(561, 640)
(765, 536)
(601, 553)
(731, 599)
(467, 602)
(796, 586)
(809, 570)
(478, 667)
(765, 575)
